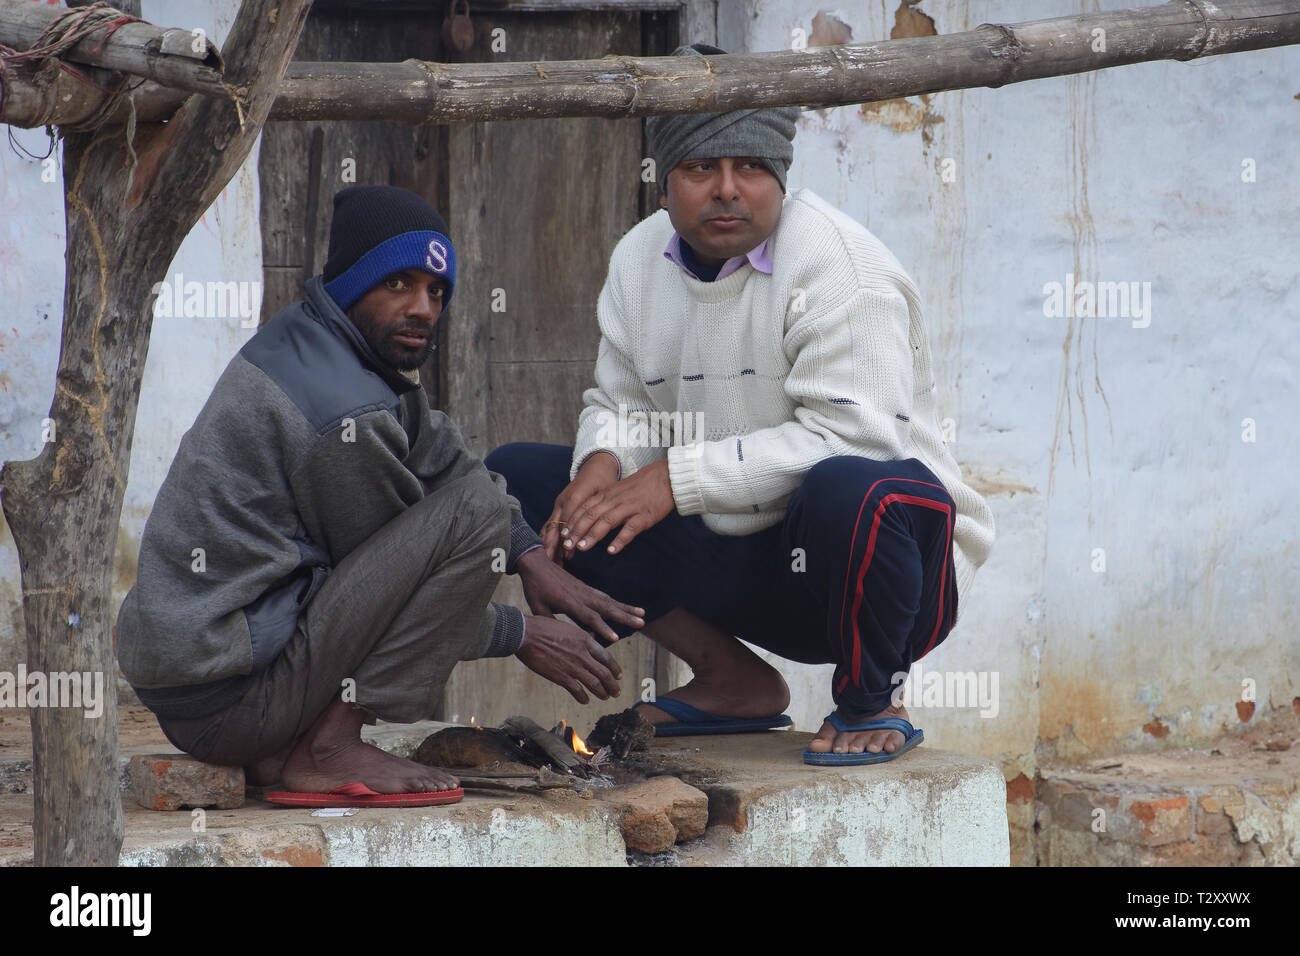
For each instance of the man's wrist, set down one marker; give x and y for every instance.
(519, 561)
(522, 540)
(603, 459)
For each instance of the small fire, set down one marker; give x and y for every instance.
(577, 743)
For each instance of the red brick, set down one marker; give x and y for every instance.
(1162, 821)
(173, 781)
(1211, 820)
(659, 812)
(297, 855)
(1020, 790)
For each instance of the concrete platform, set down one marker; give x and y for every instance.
(767, 808)
(930, 807)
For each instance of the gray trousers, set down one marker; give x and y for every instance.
(385, 629)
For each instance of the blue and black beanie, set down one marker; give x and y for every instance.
(379, 230)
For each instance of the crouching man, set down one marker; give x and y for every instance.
(324, 548)
(811, 506)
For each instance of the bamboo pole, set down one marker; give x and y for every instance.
(178, 58)
(991, 55)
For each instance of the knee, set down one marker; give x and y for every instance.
(535, 473)
(526, 464)
(839, 471)
(479, 500)
(505, 459)
(834, 483)
(856, 476)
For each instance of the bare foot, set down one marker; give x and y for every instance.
(829, 740)
(756, 693)
(320, 770)
(333, 754)
(268, 770)
(730, 679)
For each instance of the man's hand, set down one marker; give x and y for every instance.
(637, 503)
(551, 590)
(598, 473)
(566, 655)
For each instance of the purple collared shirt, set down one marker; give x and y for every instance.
(756, 257)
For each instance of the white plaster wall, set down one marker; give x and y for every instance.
(1084, 433)
(186, 355)
(1090, 433)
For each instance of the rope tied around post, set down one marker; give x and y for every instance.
(63, 34)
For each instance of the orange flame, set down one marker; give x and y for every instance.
(580, 745)
(577, 743)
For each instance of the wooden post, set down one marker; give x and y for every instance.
(125, 222)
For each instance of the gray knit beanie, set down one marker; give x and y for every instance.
(766, 134)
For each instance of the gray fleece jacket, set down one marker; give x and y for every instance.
(308, 444)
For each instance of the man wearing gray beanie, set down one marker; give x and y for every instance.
(761, 456)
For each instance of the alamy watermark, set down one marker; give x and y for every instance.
(79, 690)
(177, 298)
(1127, 300)
(946, 689)
(130, 910)
(626, 429)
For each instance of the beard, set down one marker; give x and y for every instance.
(404, 358)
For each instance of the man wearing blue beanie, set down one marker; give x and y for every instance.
(324, 548)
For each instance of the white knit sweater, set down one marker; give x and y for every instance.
(826, 356)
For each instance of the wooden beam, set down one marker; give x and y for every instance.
(177, 58)
(991, 55)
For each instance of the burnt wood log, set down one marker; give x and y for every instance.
(622, 733)
(555, 750)
(543, 779)
(454, 747)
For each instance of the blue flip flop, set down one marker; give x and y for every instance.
(912, 735)
(692, 720)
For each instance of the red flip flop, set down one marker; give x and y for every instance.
(359, 795)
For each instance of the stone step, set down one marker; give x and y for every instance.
(764, 807)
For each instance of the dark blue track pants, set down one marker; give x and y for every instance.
(859, 573)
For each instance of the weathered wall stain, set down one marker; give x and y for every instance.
(904, 115)
(829, 30)
(1156, 729)
(909, 21)
(996, 484)
(1082, 110)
